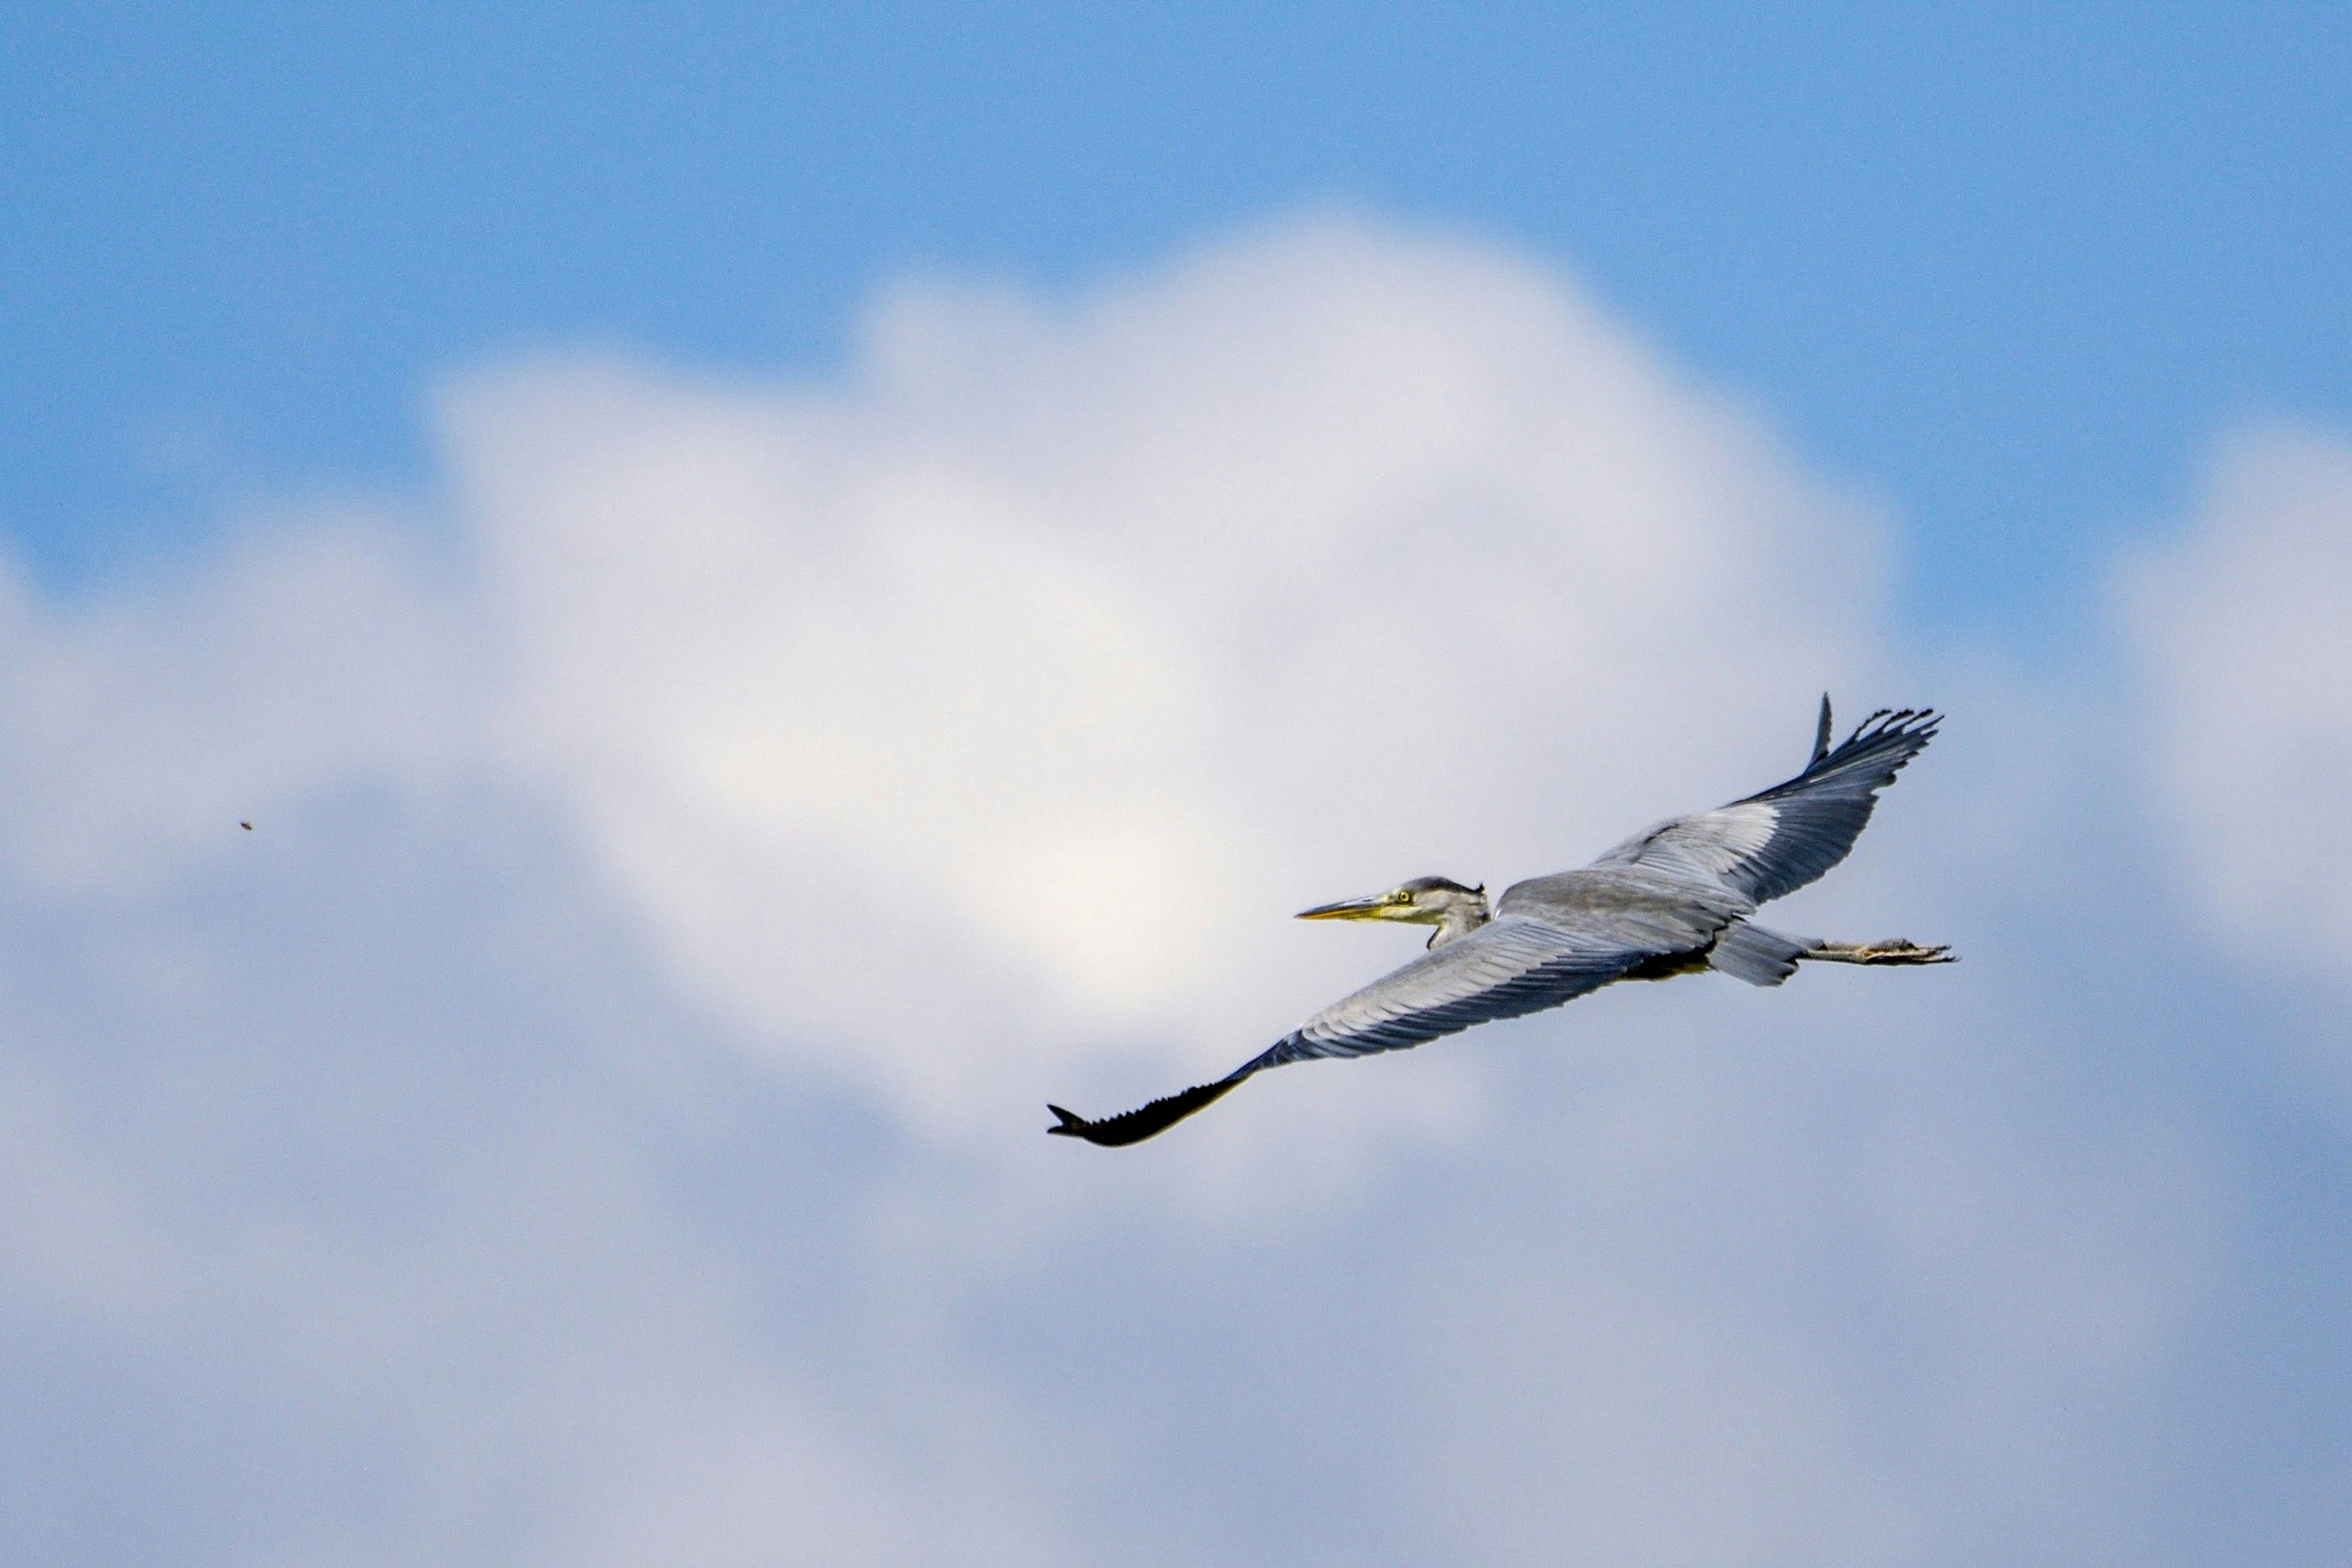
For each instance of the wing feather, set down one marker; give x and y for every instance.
(1508, 967)
(1512, 965)
(1778, 840)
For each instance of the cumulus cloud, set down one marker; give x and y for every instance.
(2244, 626)
(599, 1119)
(1008, 696)
(952, 722)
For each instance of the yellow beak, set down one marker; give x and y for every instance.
(1370, 909)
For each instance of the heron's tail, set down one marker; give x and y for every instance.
(1758, 954)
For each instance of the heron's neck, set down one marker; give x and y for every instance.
(1462, 918)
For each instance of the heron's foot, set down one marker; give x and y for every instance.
(1900, 950)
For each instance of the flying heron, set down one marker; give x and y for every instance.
(1672, 900)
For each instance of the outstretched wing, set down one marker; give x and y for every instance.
(1508, 967)
(1771, 844)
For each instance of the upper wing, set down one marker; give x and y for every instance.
(1773, 843)
(1511, 965)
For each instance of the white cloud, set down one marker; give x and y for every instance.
(2244, 627)
(1011, 695)
(597, 1118)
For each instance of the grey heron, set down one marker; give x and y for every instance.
(1674, 898)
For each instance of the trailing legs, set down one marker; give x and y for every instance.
(1898, 950)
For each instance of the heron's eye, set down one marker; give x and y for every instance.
(1401, 895)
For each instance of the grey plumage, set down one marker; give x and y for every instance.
(1758, 954)
(1672, 900)
(1772, 843)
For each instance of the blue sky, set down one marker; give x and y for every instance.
(781, 589)
(2004, 268)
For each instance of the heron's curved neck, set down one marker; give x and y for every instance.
(1462, 916)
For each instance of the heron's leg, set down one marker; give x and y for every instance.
(1898, 950)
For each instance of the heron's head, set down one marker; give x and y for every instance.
(1439, 901)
